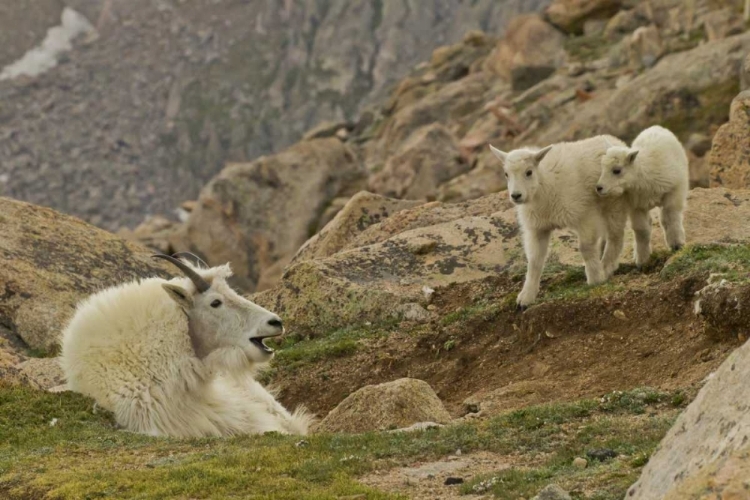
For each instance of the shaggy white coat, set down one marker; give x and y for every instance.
(653, 172)
(129, 348)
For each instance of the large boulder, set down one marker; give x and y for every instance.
(256, 215)
(571, 15)
(392, 405)
(429, 157)
(530, 51)
(729, 159)
(706, 453)
(363, 210)
(51, 261)
(24, 26)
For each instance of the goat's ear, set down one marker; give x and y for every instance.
(179, 295)
(631, 156)
(499, 154)
(539, 156)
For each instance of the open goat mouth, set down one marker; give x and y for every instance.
(259, 343)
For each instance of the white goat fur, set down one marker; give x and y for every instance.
(653, 172)
(129, 348)
(557, 189)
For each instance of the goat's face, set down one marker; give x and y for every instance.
(219, 317)
(618, 171)
(522, 172)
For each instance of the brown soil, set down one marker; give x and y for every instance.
(556, 351)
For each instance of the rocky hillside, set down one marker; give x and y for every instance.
(391, 251)
(549, 78)
(142, 113)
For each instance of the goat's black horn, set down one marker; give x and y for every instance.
(200, 284)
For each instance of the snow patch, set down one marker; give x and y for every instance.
(58, 40)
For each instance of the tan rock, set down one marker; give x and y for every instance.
(645, 47)
(485, 178)
(529, 52)
(430, 157)
(392, 405)
(256, 214)
(745, 74)
(51, 261)
(729, 159)
(722, 23)
(706, 450)
(363, 210)
(570, 15)
(44, 373)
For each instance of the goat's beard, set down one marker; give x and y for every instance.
(230, 360)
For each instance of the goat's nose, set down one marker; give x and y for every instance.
(516, 196)
(599, 189)
(276, 323)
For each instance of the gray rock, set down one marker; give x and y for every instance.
(552, 492)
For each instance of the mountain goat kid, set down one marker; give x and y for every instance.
(653, 172)
(177, 358)
(554, 188)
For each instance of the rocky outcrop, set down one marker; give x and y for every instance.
(428, 158)
(257, 215)
(686, 92)
(729, 159)
(362, 211)
(180, 88)
(392, 405)
(570, 15)
(529, 52)
(51, 261)
(706, 452)
(387, 265)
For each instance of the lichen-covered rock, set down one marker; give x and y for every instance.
(429, 157)
(392, 405)
(51, 261)
(570, 15)
(44, 373)
(706, 451)
(529, 52)
(729, 159)
(363, 210)
(256, 214)
(552, 492)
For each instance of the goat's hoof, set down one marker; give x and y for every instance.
(677, 247)
(521, 307)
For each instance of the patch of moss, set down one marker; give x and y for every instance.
(586, 48)
(731, 260)
(696, 112)
(83, 455)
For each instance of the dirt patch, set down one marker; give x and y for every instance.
(426, 480)
(641, 331)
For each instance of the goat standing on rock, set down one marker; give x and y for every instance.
(554, 188)
(652, 173)
(177, 358)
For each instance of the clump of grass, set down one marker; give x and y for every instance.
(586, 48)
(731, 260)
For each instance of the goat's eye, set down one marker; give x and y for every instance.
(506, 176)
(617, 171)
(216, 303)
(528, 173)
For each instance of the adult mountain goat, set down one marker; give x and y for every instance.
(177, 358)
(653, 172)
(554, 188)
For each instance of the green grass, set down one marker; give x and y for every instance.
(731, 260)
(586, 48)
(84, 456)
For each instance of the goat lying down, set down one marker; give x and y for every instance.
(177, 357)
